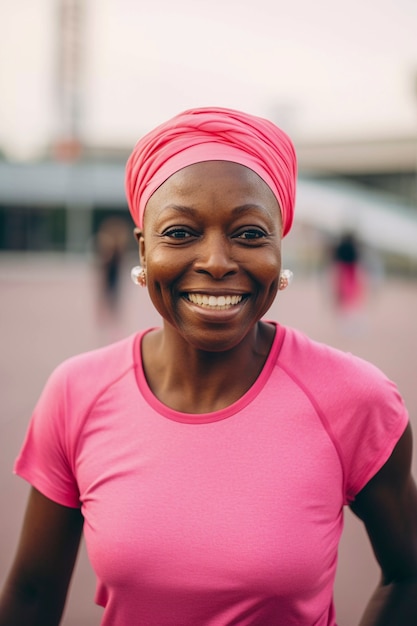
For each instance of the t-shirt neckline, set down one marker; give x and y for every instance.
(214, 416)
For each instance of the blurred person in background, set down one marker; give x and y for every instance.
(209, 461)
(348, 275)
(348, 281)
(110, 247)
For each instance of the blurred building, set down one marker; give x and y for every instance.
(384, 163)
(60, 183)
(58, 204)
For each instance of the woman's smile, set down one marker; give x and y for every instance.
(214, 302)
(218, 309)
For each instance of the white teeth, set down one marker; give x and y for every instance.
(218, 302)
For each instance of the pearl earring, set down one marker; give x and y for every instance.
(138, 275)
(285, 278)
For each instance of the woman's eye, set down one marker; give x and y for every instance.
(177, 233)
(251, 233)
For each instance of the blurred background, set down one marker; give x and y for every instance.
(81, 80)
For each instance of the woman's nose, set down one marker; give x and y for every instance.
(215, 257)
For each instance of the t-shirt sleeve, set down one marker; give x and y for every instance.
(359, 406)
(44, 459)
(369, 420)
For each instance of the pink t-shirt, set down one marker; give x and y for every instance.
(230, 517)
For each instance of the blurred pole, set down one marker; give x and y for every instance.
(415, 97)
(70, 43)
(69, 71)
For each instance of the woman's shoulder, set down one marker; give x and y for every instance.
(361, 409)
(317, 363)
(96, 368)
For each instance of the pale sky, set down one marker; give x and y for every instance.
(321, 68)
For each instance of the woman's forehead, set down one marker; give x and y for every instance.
(214, 188)
(208, 176)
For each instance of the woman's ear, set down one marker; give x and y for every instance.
(138, 233)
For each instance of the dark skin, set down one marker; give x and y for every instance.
(225, 243)
(388, 507)
(36, 589)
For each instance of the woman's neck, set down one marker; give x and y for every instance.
(195, 381)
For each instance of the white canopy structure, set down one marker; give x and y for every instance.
(380, 222)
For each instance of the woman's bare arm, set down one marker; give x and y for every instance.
(388, 507)
(36, 588)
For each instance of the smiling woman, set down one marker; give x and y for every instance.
(209, 460)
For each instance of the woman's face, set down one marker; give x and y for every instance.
(211, 245)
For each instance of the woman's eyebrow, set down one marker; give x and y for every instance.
(248, 207)
(243, 208)
(180, 208)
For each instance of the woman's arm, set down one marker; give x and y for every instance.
(388, 507)
(35, 591)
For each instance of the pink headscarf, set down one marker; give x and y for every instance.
(211, 134)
